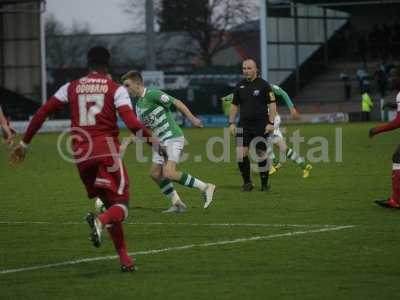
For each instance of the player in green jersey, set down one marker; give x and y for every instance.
(277, 137)
(153, 109)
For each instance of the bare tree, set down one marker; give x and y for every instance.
(208, 23)
(64, 48)
(66, 51)
(213, 25)
(136, 9)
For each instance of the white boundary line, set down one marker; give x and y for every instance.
(185, 247)
(238, 224)
(163, 224)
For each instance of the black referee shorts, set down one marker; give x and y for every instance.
(246, 133)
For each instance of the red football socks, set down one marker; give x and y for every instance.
(117, 235)
(395, 199)
(114, 214)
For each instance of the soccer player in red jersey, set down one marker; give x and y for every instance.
(94, 102)
(8, 133)
(394, 201)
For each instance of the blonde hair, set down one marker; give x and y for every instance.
(132, 75)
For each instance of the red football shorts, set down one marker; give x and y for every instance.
(105, 177)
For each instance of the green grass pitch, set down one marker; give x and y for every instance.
(245, 246)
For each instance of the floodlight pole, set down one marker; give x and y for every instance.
(296, 47)
(326, 56)
(43, 70)
(151, 57)
(264, 39)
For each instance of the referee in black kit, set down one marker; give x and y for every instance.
(257, 105)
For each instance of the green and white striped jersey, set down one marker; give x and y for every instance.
(153, 109)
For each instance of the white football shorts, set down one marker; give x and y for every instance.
(174, 149)
(277, 131)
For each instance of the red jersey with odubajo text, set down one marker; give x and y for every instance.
(94, 100)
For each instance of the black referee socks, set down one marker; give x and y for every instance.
(262, 167)
(244, 167)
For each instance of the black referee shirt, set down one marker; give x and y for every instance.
(253, 98)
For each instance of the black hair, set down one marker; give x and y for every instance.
(98, 58)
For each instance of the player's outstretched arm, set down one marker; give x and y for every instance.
(188, 114)
(41, 115)
(8, 135)
(289, 103)
(294, 113)
(394, 124)
(18, 153)
(286, 98)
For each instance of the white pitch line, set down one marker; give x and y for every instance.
(24, 223)
(239, 224)
(185, 224)
(185, 247)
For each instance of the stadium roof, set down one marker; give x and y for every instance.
(333, 3)
(21, 6)
(5, 2)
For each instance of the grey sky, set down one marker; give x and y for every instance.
(102, 16)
